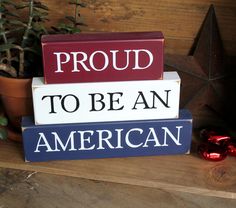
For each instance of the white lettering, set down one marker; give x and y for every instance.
(127, 137)
(42, 142)
(86, 62)
(59, 61)
(114, 57)
(102, 138)
(106, 60)
(119, 146)
(81, 62)
(83, 140)
(176, 140)
(69, 140)
(137, 66)
(152, 137)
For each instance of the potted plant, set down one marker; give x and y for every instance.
(20, 55)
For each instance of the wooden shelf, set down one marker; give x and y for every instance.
(181, 173)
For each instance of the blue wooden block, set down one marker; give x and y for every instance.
(107, 139)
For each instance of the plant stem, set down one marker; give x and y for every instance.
(76, 13)
(8, 52)
(24, 40)
(21, 62)
(29, 24)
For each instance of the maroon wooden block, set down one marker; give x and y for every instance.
(98, 57)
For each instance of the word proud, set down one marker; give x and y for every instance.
(81, 61)
(101, 57)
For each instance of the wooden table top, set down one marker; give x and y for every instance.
(158, 181)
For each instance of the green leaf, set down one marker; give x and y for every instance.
(55, 28)
(40, 10)
(2, 32)
(11, 14)
(3, 121)
(43, 19)
(63, 25)
(2, 9)
(9, 2)
(40, 29)
(17, 22)
(39, 13)
(3, 21)
(81, 24)
(22, 5)
(82, 4)
(70, 18)
(33, 33)
(9, 46)
(11, 40)
(5, 47)
(73, 1)
(32, 50)
(3, 134)
(76, 2)
(40, 6)
(16, 29)
(76, 30)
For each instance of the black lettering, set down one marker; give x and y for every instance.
(155, 95)
(142, 101)
(99, 100)
(76, 103)
(113, 100)
(51, 98)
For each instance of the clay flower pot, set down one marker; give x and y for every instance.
(16, 98)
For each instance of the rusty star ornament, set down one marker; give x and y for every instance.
(206, 84)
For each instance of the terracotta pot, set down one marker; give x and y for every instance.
(16, 98)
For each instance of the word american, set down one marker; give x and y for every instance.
(102, 139)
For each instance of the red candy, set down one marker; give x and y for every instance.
(214, 136)
(219, 140)
(216, 146)
(212, 152)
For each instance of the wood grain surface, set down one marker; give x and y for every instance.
(179, 20)
(33, 189)
(180, 173)
(163, 181)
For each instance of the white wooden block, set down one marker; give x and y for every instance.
(106, 101)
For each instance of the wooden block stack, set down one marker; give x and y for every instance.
(105, 95)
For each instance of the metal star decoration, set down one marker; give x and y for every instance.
(203, 75)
